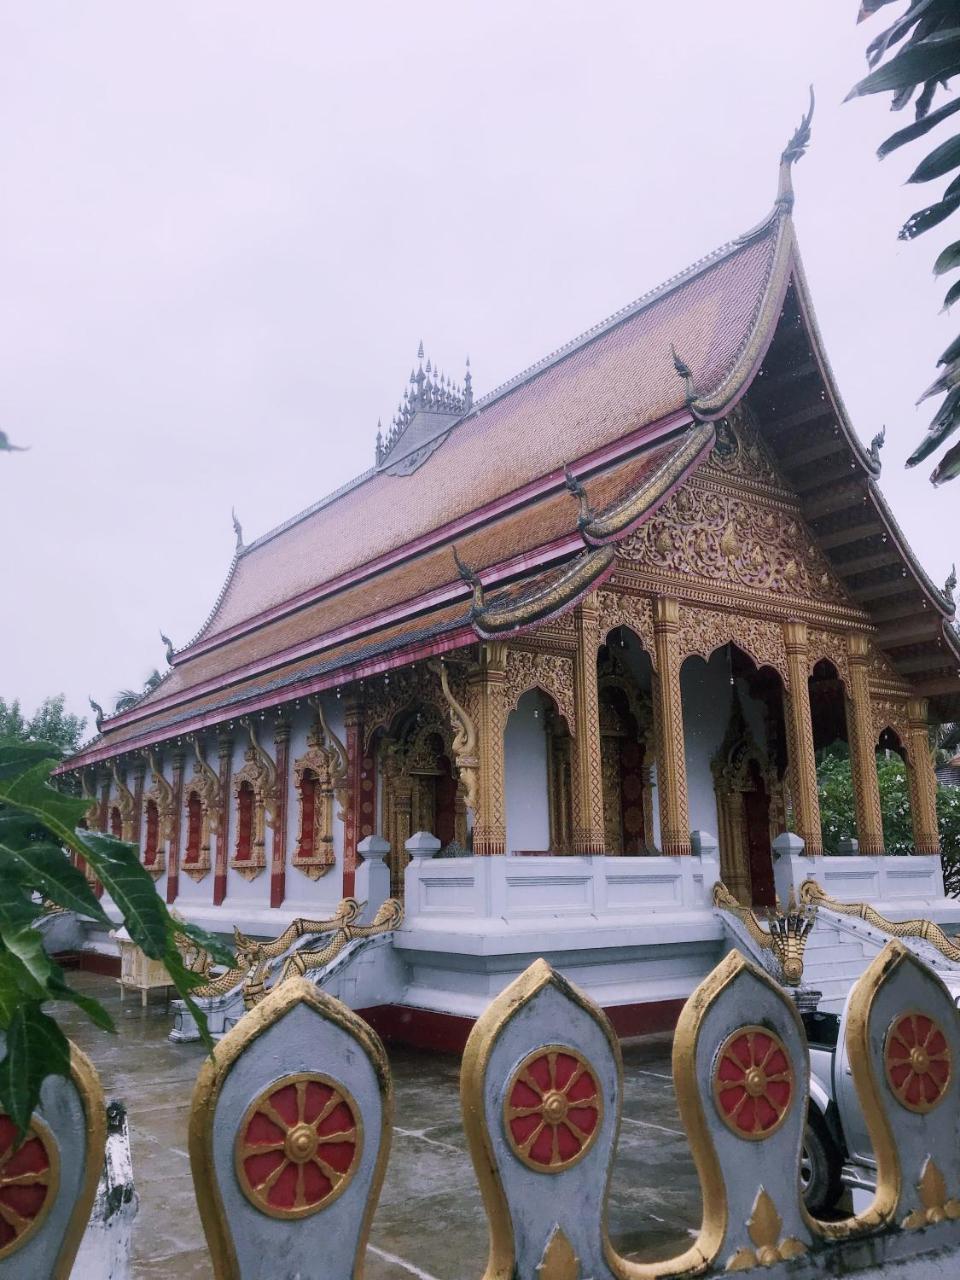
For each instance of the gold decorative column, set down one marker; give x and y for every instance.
(671, 757)
(490, 822)
(863, 756)
(923, 780)
(588, 836)
(803, 764)
(278, 849)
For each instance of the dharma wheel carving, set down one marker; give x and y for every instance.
(29, 1177)
(917, 1061)
(298, 1145)
(553, 1109)
(753, 1082)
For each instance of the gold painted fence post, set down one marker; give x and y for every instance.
(490, 823)
(803, 764)
(589, 834)
(923, 780)
(671, 757)
(863, 756)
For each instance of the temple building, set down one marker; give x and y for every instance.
(623, 598)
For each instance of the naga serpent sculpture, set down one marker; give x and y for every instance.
(812, 894)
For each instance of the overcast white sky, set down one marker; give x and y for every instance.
(225, 226)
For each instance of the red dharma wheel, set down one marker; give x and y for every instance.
(29, 1176)
(298, 1146)
(918, 1063)
(753, 1082)
(553, 1109)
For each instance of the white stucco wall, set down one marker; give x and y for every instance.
(190, 892)
(525, 768)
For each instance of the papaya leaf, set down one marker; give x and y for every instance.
(17, 906)
(953, 293)
(879, 45)
(917, 129)
(952, 353)
(35, 1048)
(940, 161)
(929, 59)
(949, 378)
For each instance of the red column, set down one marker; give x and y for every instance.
(173, 848)
(225, 744)
(278, 865)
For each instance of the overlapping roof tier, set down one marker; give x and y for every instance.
(366, 579)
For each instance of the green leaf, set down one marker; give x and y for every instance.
(949, 378)
(45, 867)
(59, 989)
(221, 952)
(952, 294)
(131, 887)
(932, 216)
(36, 1048)
(931, 59)
(16, 986)
(952, 353)
(917, 129)
(946, 420)
(940, 161)
(29, 791)
(17, 906)
(185, 981)
(26, 943)
(948, 467)
(17, 757)
(947, 259)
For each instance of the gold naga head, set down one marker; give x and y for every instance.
(789, 929)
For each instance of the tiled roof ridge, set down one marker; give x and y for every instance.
(559, 353)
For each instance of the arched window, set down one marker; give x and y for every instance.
(116, 823)
(245, 803)
(194, 829)
(152, 838)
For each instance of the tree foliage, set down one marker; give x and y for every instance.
(38, 825)
(50, 723)
(913, 59)
(838, 814)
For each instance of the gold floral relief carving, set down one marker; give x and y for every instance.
(831, 645)
(738, 450)
(161, 794)
(548, 672)
(703, 631)
(891, 713)
(621, 609)
(387, 696)
(882, 671)
(726, 538)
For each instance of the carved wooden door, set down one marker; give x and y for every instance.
(756, 812)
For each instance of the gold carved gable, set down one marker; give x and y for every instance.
(397, 691)
(831, 645)
(734, 539)
(739, 450)
(620, 609)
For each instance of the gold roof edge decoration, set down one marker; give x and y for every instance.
(622, 517)
(549, 593)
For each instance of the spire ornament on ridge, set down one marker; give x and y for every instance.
(237, 530)
(876, 444)
(470, 576)
(795, 149)
(168, 645)
(686, 373)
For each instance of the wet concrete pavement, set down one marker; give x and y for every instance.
(430, 1222)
